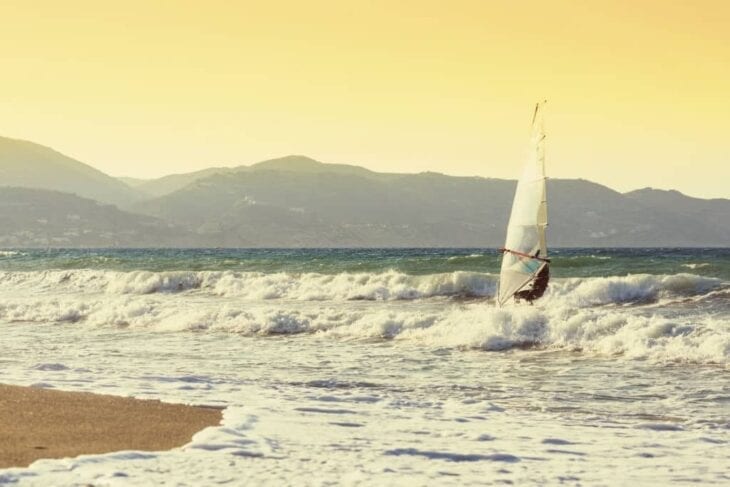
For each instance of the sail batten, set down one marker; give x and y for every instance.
(525, 267)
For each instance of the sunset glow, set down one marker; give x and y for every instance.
(637, 90)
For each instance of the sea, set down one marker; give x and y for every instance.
(384, 366)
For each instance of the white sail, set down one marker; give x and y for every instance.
(525, 247)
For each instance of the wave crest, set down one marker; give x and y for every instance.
(576, 314)
(631, 289)
(602, 330)
(383, 286)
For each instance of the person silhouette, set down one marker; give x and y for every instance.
(539, 284)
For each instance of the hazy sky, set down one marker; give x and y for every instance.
(638, 90)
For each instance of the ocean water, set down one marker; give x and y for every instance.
(385, 367)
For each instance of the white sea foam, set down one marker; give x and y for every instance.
(637, 288)
(10, 253)
(454, 258)
(378, 380)
(575, 314)
(607, 331)
(348, 413)
(382, 286)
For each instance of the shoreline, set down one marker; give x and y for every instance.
(38, 423)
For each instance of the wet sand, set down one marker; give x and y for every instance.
(44, 423)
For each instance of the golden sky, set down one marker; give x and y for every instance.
(638, 91)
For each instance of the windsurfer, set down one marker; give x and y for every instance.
(539, 285)
(525, 273)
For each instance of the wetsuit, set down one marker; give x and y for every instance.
(539, 285)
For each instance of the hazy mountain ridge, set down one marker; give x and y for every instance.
(287, 207)
(30, 165)
(44, 218)
(296, 201)
(269, 207)
(173, 182)
(132, 182)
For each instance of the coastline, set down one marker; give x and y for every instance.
(40, 423)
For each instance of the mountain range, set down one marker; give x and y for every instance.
(25, 164)
(49, 199)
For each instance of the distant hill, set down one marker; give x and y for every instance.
(300, 202)
(717, 209)
(706, 220)
(304, 164)
(296, 201)
(43, 218)
(292, 208)
(173, 182)
(133, 182)
(29, 165)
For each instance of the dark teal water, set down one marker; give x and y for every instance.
(711, 262)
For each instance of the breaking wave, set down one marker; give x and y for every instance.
(10, 253)
(383, 286)
(611, 315)
(481, 326)
(631, 289)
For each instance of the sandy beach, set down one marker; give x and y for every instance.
(43, 423)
